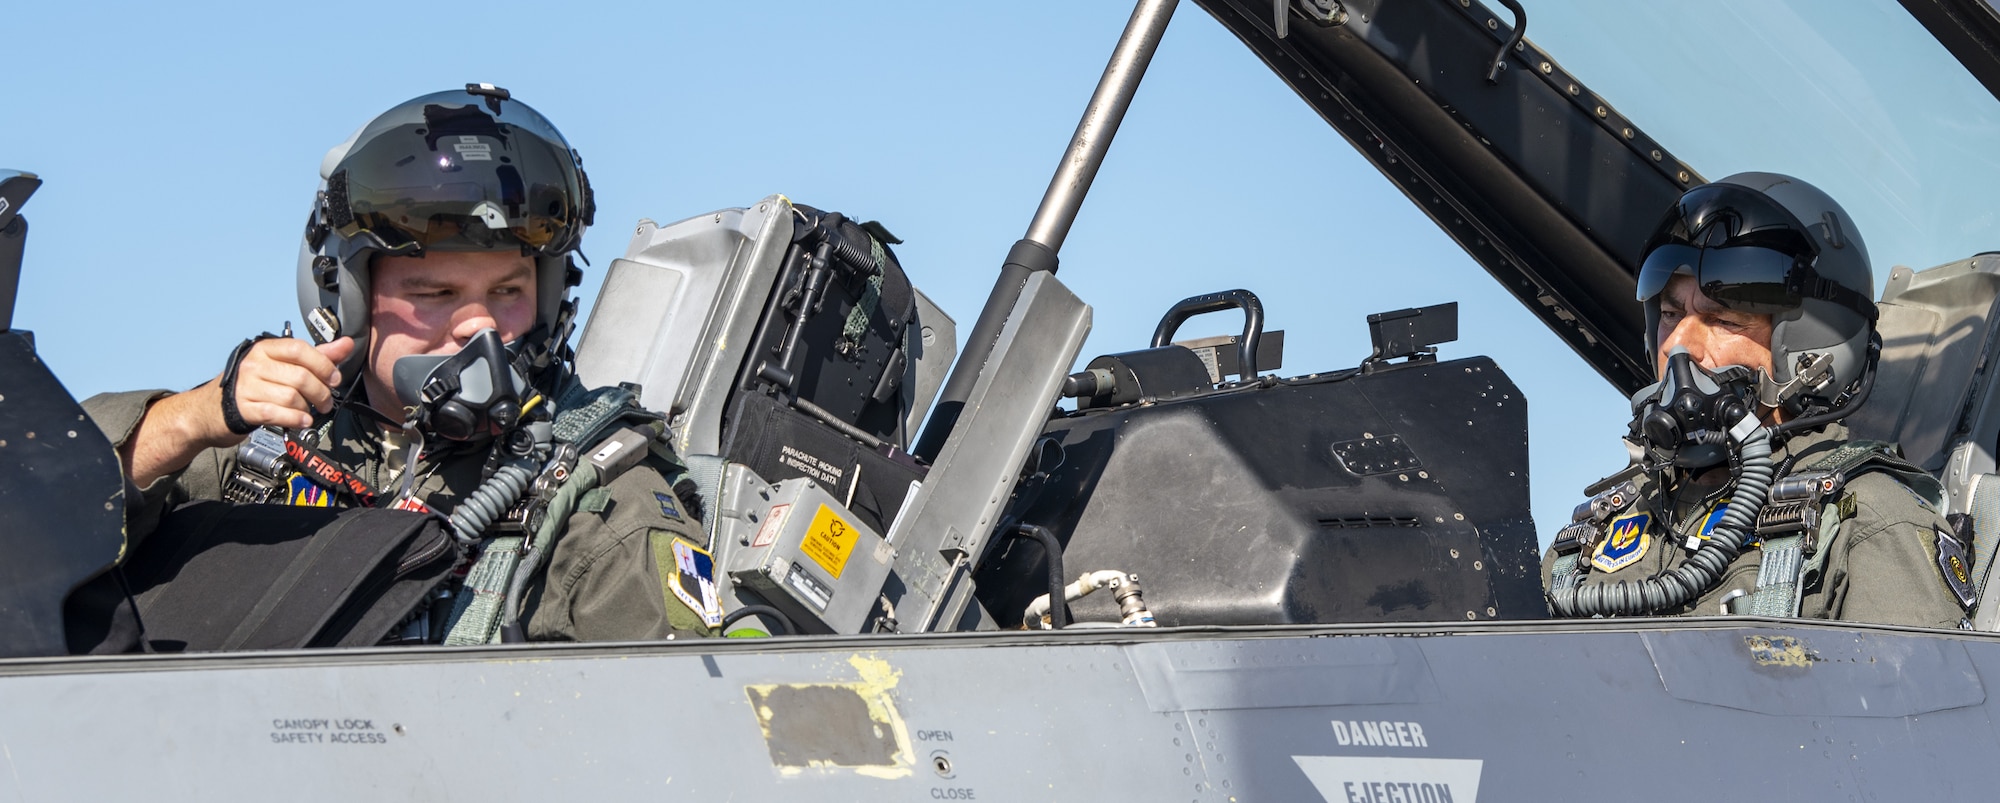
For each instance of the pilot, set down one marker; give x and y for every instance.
(444, 229)
(1746, 495)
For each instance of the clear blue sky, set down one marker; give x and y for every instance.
(180, 143)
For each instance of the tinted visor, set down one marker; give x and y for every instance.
(459, 177)
(1744, 250)
(1746, 278)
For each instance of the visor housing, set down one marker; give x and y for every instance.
(455, 176)
(1745, 251)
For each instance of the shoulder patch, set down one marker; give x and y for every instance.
(1624, 543)
(691, 577)
(1955, 569)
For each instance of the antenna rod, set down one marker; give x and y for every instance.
(1037, 251)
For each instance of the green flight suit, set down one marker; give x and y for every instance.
(1880, 566)
(606, 578)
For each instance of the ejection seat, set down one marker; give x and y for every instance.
(1935, 393)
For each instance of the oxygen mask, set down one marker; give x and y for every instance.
(1684, 419)
(474, 393)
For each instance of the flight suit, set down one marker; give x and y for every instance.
(1880, 566)
(607, 576)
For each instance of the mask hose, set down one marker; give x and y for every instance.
(1699, 571)
(494, 497)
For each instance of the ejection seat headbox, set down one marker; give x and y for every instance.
(697, 308)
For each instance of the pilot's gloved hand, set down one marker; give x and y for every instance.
(279, 382)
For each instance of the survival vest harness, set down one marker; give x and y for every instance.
(1804, 511)
(597, 435)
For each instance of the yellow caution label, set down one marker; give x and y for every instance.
(829, 541)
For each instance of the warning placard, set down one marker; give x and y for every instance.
(829, 541)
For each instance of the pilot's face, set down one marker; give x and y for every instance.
(435, 303)
(1714, 336)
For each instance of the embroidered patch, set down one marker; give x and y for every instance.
(1624, 544)
(1955, 568)
(304, 493)
(694, 582)
(1713, 518)
(669, 507)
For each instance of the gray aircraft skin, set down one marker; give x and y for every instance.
(1477, 697)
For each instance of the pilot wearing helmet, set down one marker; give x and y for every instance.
(435, 277)
(1746, 495)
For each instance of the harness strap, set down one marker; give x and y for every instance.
(582, 415)
(475, 616)
(1563, 575)
(585, 419)
(1787, 568)
(1577, 541)
(481, 604)
(1778, 577)
(1793, 556)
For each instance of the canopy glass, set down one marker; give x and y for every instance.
(1852, 95)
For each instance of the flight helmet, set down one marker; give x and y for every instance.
(460, 170)
(1774, 245)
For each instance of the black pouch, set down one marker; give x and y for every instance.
(780, 443)
(217, 576)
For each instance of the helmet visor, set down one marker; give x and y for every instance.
(458, 177)
(1744, 250)
(1745, 278)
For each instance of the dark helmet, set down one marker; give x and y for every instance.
(1774, 245)
(461, 170)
